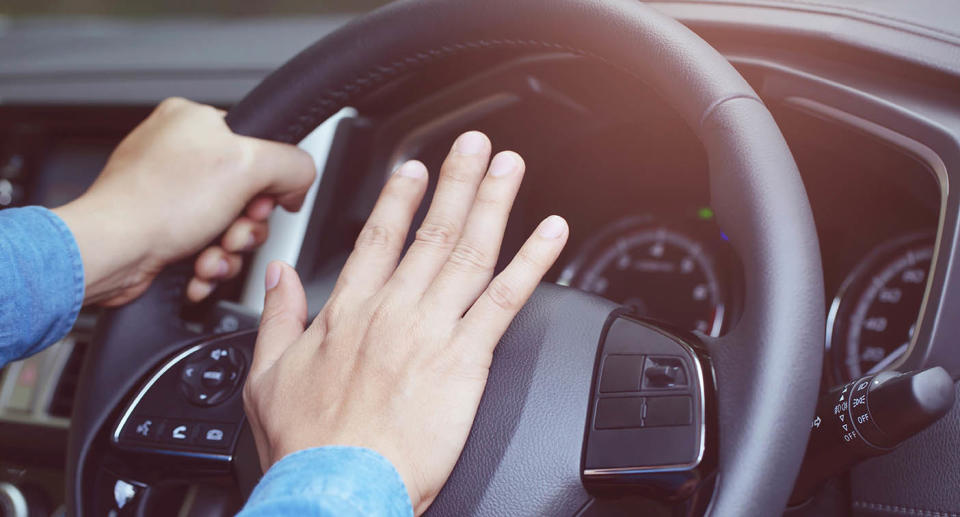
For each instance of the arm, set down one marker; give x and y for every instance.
(179, 180)
(41, 281)
(330, 482)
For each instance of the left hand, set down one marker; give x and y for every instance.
(175, 183)
(398, 358)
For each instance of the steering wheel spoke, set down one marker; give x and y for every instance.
(525, 452)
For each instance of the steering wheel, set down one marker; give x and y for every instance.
(537, 446)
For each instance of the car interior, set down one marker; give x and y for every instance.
(741, 277)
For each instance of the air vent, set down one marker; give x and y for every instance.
(61, 404)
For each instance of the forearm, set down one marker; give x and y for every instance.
(41, 281)
(330, 481)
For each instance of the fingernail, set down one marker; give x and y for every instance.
(273, 275)
(412, 169)
(203, 289)
(471, 142)
(222, 267)
(503, 164)
(552, 227)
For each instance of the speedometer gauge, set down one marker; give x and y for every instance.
(873, 318)
(657, 271)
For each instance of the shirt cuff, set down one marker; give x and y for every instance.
(332, 480)
(41, 281)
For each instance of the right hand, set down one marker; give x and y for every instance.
(398, 358)
(174, 184)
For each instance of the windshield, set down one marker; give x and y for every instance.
(179, 8)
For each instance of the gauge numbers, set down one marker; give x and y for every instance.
(873, 319)
(657, 272)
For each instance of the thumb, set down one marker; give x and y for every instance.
(284, 315)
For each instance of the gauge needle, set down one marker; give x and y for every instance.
(885, 362)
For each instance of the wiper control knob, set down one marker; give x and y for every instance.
(869, 417)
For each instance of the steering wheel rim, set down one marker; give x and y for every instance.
(768, 366)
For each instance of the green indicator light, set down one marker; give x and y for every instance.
(705, 213)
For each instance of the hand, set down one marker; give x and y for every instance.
(173, 185)
(398, 358)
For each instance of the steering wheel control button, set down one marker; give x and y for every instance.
(652, 409)
(213, 376)
(201, 423)
(667, 411)
(664, 372)
(178, 432)
(619, 413)
(145, 429)
(210, 375)
(219, 436)
(621, 373)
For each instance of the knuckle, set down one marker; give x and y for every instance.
(469, 257)
(531, 260)
(438, 233)
(380, 315)
(461, 169)
(503, 295)
(330, 314)
(171, 105)
(489, 199)
(374, 236)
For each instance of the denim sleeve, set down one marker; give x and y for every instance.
(41, 281)
(330, 481)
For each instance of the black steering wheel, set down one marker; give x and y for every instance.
(536, 446)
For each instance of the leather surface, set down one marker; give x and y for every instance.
(769, 367)
(766, 374)
(407, 35)
(920, 478)
(523, 453)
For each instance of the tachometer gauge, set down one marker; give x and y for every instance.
(659, 272)
(873, 318)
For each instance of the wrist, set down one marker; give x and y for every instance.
(115, 257)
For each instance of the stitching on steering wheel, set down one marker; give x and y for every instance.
(902, 510)
(327, 103)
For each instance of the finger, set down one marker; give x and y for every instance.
(457, 184)
(214, 264)
(284, 315)
(198, 290)
(244, 234)
(260, 208)
(381, 240)
(490, 316)
(283, 171)
(471, 263)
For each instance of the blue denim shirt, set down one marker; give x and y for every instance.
(41, 293)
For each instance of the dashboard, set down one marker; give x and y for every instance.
(601, 150)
